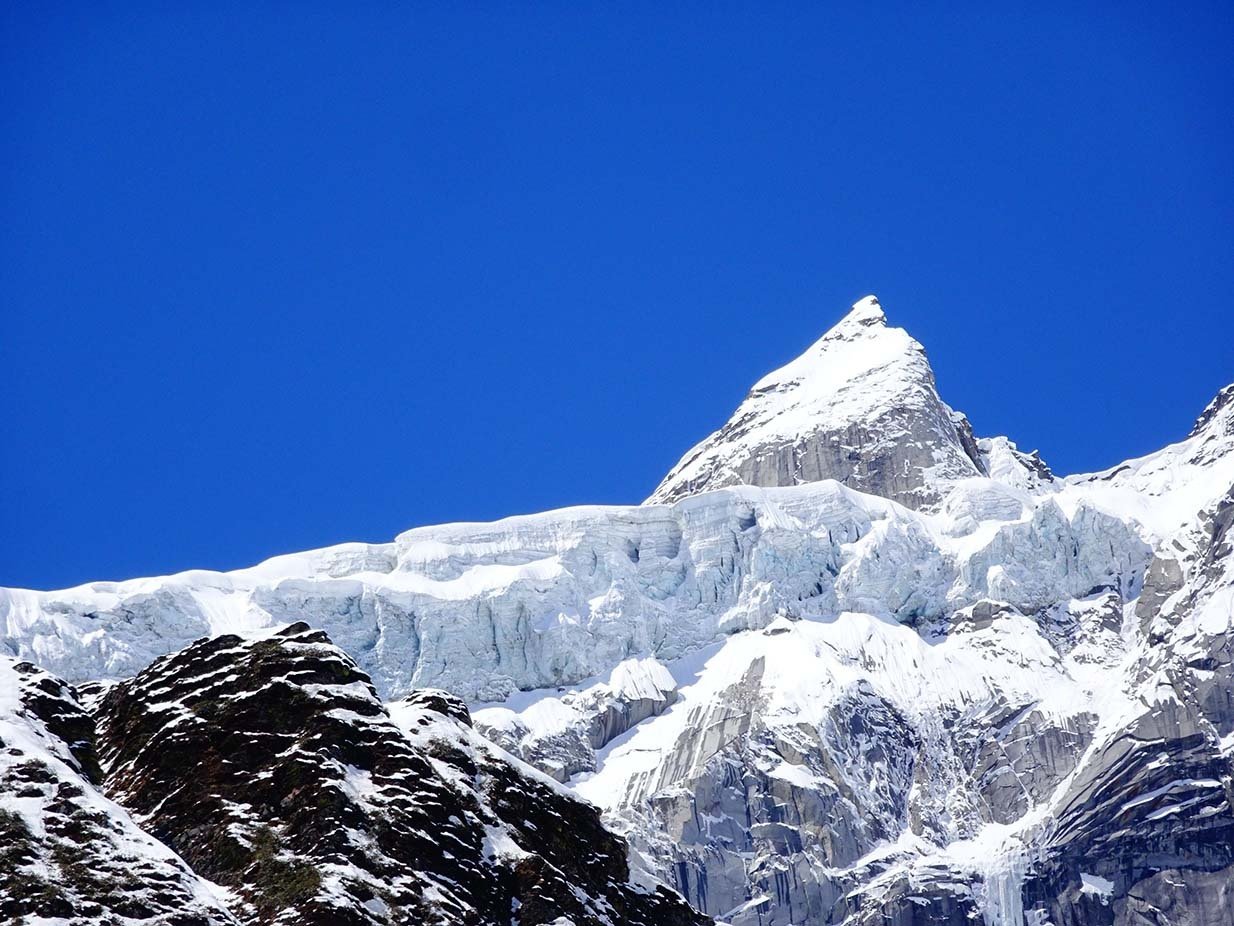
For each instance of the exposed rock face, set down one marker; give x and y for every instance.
(1018, 756)
(560, 736)
(1155, 798)
(272, 767)
(67, 853)
(860, 406)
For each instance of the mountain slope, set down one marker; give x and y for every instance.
(1148, 814)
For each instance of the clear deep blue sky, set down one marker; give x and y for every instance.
(272, 279)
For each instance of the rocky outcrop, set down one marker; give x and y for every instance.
(272, 767)
(1217, 419)
(1003, 461)
(925, 896)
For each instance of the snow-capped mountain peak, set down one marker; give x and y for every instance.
(859, 405)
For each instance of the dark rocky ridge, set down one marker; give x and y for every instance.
(273, 768)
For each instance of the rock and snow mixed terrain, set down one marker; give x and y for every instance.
(282, 790)
(848, 664)
(67, 853)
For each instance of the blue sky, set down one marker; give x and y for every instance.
(277, 278)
